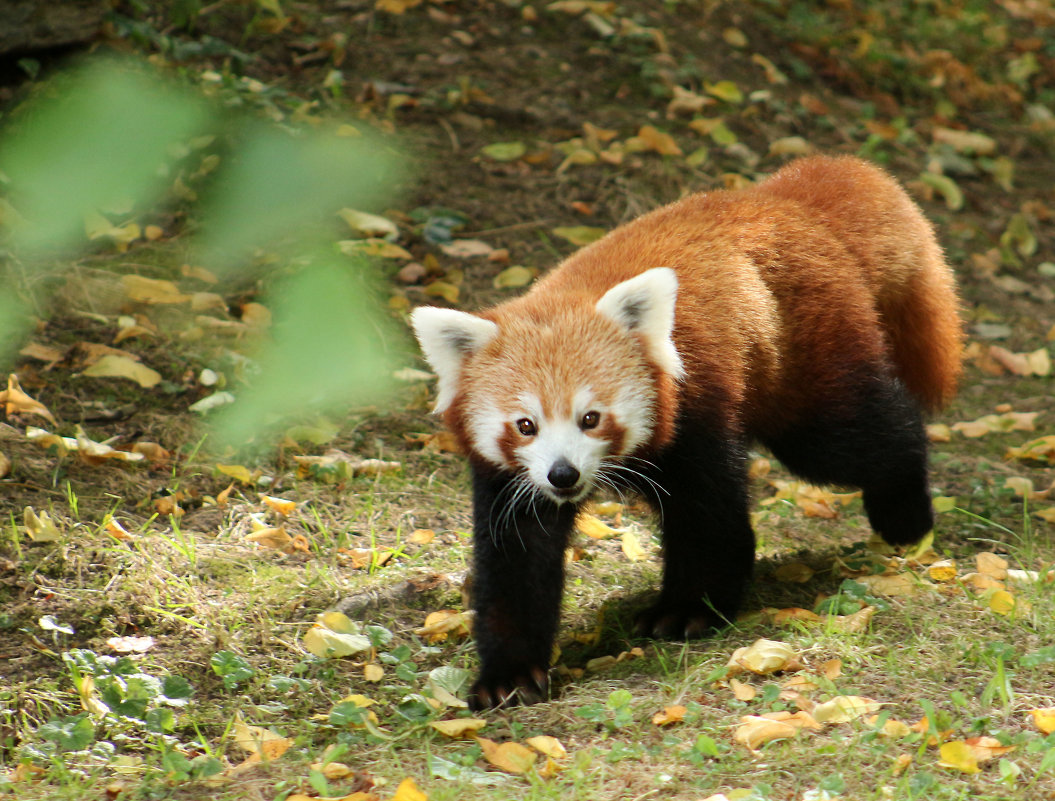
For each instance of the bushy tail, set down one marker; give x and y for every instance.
(926, 336)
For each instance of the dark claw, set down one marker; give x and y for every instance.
(496, 693)
(666, 622)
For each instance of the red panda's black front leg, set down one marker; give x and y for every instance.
(708, 543)
(518, 580)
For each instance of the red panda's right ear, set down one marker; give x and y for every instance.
(447, 337)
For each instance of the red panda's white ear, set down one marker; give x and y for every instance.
(447, 337)
(645, 303)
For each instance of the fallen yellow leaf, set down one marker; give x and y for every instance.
(269, 537)
(669, 715)
(989, 564)
(742, 691)
(510, 757)
(945, 570)
(594, 527)
(755, 731)
(843, 708)
(901, 585)
(281, 505)
(440, 624)
(548, 746)
(373, 672)
(152, 290)
(408, 791)
(632, 548)
(40, 528)
(794, 572)
(958, 756)
(421, 536)
(258, 740)
(1044, 719)
(763, 657)
(18, 402)
(459, 727)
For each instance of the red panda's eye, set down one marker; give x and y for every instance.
(526, 427)
(591, 420)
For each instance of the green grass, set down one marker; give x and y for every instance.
(228, 616)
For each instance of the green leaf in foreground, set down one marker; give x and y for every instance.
(330, 350)
(280, 183)
(92, 139)
(69, 734)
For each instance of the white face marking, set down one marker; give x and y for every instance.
(486, 426)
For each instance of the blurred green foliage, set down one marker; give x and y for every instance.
(104, 137)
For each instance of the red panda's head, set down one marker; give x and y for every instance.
(558, 388)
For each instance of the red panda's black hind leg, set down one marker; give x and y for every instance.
(878, 443)
(518, 580)
(708, 544)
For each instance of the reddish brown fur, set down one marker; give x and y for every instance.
(786, 289)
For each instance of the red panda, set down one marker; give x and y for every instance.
(813, 313)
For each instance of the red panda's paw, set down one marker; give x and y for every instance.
(529, 687)
(666, 621)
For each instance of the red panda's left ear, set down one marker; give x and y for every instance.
(645, 304)
(447, 337)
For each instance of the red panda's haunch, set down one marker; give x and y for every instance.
(813, 312)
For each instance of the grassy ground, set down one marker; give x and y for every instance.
(226, 699)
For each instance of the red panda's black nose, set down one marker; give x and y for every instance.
(563, 474)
